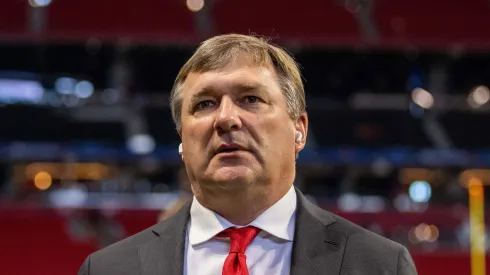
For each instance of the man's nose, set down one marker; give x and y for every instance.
(227, 117)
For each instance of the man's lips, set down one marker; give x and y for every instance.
(229, 148)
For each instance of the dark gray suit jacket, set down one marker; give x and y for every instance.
(324, 244)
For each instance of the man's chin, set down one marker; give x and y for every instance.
(233, 175)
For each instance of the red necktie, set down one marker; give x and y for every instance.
(240, 238)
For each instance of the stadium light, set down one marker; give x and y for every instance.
(422, 98)
(479, 96)
(195, 5)
(420, 191)
(141, 144)
(84, 89)
(65, 85)
(39, 3)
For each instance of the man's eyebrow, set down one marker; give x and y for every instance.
(199, 94)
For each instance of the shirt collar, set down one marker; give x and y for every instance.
(278, 220)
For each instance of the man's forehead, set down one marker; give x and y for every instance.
(240, 76)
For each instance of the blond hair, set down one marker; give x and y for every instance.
(216, 52)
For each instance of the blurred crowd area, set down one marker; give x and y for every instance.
(397, 98)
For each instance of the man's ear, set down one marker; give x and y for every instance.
(301, 125)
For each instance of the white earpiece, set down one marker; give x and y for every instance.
(180, 149)
(299, 136)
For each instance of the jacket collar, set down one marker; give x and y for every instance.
(317, 248)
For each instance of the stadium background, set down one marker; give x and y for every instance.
(397, 95)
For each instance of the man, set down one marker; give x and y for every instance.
(239, 107)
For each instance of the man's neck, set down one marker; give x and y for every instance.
(241, 208)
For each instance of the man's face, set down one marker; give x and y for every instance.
(235, 127)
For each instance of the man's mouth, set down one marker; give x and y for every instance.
(229, 148)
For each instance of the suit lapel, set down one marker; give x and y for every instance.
(165, 254)
(317, 249)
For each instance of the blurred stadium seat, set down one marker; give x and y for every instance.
(13, 17)
(116, 18)
(434, 22)
(45, 124)
(299, 21)
(368, 129)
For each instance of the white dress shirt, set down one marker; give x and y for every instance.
(269, 253)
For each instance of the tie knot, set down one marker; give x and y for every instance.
(240, 238)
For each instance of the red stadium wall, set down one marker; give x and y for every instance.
(38, 242)
(398, 23)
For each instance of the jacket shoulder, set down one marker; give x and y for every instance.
(356, 233)
(120, 257)
(370, 252)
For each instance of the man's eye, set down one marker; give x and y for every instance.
(203, 105)
(252, 99)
